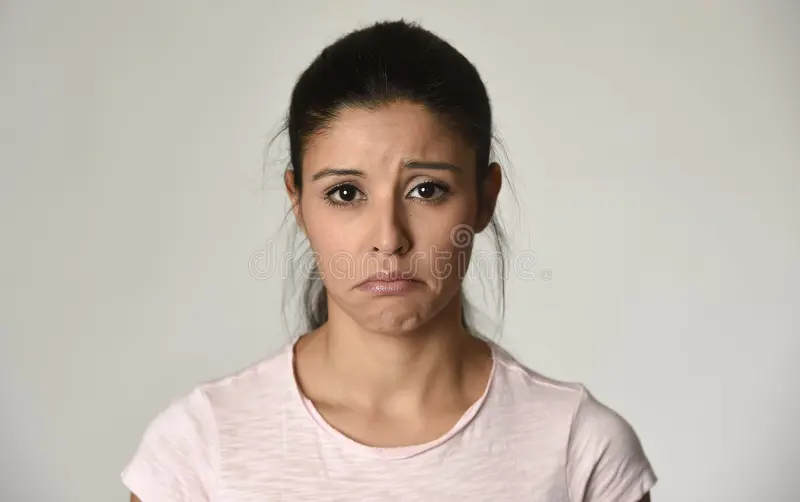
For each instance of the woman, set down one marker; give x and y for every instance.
(390, 395)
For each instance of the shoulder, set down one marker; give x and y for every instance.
(521, 385)
(255, 389)
(178, 455)
(582, 412)
(603, 457)
(266, 381)
(596, 422)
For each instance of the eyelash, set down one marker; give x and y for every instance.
(441, 186)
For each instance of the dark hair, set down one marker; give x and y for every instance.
(390, 62)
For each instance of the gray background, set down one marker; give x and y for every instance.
(654, 146)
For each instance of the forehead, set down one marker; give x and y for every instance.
(386, 137)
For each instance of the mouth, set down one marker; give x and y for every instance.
(388, 283)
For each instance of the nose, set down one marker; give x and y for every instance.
(390, 234)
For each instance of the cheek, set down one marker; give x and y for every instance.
(446, 244)
(333, 245)
(445, 226)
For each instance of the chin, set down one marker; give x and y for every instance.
(393, 318)
(394, 315)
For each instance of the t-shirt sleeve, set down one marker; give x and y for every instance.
(605, 458)
(176, 459)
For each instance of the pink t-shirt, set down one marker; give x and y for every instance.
(253, 437)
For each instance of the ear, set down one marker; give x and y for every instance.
(294, 198)
(490, 191)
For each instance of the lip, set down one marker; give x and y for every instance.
(386, 276)
(396, 287)
(388, 283)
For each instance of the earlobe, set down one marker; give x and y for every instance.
(298, 218)
(288, 181)
(492, 184)
(294, 198)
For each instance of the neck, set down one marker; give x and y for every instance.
(401, 373)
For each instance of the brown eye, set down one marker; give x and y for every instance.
(343, 194)
(429, 191)
(347, 193)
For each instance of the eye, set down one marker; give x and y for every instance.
(429, 191)
(342, 195)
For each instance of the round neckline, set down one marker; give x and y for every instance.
(392, 452)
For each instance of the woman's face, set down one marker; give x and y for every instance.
(391, 191)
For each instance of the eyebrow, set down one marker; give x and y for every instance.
(442, 166)
(413, 164)
(330, 171)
